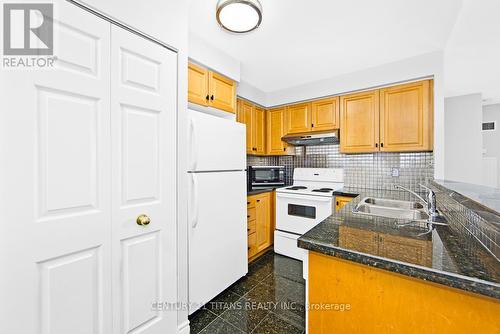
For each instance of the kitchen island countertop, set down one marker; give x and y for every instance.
(442, 256)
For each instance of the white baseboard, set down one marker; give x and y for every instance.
(183, 328)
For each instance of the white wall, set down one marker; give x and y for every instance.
(472, 52)
(491, 139)
(166, 21)
(252, 93)
(463, 138)
(205, 54)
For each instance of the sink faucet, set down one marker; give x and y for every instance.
(397, 186)
(431, 202)
(431, 199)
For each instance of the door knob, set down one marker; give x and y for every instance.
(143, 220)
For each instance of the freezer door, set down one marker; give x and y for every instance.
(218, 234)
(215, 144)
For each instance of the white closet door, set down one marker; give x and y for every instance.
(143, 107)
(55, 185)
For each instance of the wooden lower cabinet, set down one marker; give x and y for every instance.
(364, 299)
(340, 201)
(260, 216)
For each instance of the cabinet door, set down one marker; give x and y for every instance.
(359, 122)
(406, 117)
(263, 221)
(259, 131)
(276, 130)
(240, 115)
(222, 92)
(248, 116)
(298, 118)
(340, 201)
(197, 84)
(325, 114)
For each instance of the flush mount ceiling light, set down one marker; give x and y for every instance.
(239, 16)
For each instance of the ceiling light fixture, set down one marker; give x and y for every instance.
(239, 16)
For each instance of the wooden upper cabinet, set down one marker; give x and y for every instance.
(197, 84)
(222, 92)
(406, 117)
(240, 115)
(248, 116)
(359, 119)
(259, 128)
(298, 118)
(212, 89)
(325, 114)
(275, 131)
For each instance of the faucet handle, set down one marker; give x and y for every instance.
(425, 187)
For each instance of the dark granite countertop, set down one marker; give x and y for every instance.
(443, 256)
(260, 191)
(488, 197)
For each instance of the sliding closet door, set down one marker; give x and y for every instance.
(55, 228)
(143, 130)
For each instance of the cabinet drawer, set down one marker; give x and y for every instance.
(251, 202)
(252, 224)
(251, 213)
(252, 245)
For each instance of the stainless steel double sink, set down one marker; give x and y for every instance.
(390, 208)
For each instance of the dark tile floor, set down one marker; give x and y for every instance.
(269, 299)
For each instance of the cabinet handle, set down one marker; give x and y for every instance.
(312, 125)
(207, 97)
(248, 216)
(248, 230)
(376, 144)
(248, 248)
(248, 203)
(212, 97)
(284, 149)
(258, 200)
(381, 144)
(338, 203)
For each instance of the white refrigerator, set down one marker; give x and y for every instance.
(217, 206)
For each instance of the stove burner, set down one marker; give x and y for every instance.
(296, 188)
(323, 190)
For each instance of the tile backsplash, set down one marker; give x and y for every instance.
(372, 170)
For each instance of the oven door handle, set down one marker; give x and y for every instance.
(303, 197)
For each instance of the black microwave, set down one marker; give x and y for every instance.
(266, 176)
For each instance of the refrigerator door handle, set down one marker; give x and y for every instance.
(194, 146)
(195, 200)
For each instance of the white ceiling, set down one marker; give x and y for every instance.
(303, 41)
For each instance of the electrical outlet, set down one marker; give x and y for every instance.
(394, 172)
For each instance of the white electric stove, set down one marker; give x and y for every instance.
(303, 205)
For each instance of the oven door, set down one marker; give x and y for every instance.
(299, 213)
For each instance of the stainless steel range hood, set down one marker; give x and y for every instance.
(330, 138)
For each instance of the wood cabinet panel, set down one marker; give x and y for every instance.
(252, 245)
(263, 221)
(325, 114)
(222, 92)
(405, 117)
(259, 128)
(275, 131)
(298, 118)
(240, 115)
(251, 226)
(340, 201)
(248, 116)
(197, 84)
(386, 302)
(359, 121)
